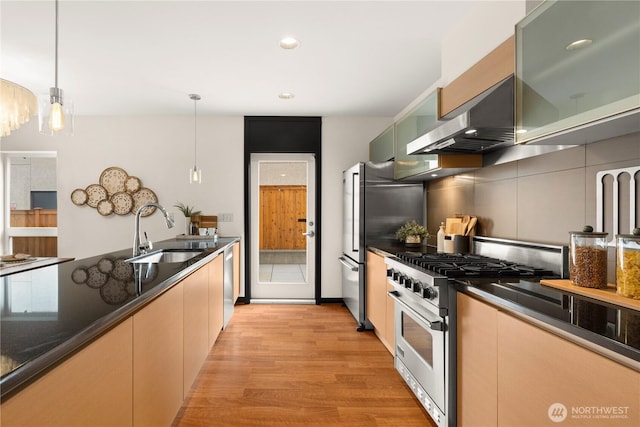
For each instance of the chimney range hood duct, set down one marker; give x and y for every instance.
(483, 124)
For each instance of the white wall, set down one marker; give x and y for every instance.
(159, 151)
(345, 141)
(490, 23)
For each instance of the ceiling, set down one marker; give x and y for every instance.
(144, 57)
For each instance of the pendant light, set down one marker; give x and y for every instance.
(54, 113)
(195, 173)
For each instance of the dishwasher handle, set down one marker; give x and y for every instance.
(346, 263)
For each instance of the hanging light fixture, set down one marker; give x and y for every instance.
(17, 105)
(54, 113)
(195, 173)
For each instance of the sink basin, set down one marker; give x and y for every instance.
(164, 256)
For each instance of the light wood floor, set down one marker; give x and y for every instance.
(299, 365)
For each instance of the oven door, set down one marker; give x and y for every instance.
(420, 341)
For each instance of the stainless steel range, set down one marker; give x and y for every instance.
(425, 309)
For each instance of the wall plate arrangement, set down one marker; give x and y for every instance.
(117, 193)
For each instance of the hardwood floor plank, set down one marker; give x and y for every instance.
(299, 365)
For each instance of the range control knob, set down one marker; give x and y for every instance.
(395, 275)
(417, 286)
(428, 293)
(403, 279)
(389, 272)
(408, 283)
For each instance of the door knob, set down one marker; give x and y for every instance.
(309, 234)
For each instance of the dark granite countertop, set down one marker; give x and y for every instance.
(30, 264)
(50, 312)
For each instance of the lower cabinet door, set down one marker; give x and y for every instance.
(158, 360)
(546, 380)
(195, 290)
(91, 388)
(477, 342)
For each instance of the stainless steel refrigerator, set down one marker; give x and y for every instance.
(374, 208)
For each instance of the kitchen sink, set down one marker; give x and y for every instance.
(165, 256)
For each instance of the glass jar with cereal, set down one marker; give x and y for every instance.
(588, 258)
(628, 264)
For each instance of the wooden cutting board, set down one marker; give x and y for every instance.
(607, 294)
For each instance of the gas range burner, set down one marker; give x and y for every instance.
(470, 265)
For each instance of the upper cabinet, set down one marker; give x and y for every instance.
(419, 120)
(578, 64)
(496, 66)
(381, 148)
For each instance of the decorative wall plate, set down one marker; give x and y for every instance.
(113, 179)
(142, 196)
(122, 202)
(132, 184)
(105, 207)
(95, 193)
(79, 197)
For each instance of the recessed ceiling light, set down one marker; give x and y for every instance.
(285, 95)
(470, 131)
(578, 44)
(289, 42)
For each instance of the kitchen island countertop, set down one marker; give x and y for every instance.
(51, 312)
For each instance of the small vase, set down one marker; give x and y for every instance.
(413, 241)
(187, 225)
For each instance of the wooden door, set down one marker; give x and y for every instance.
(283, 213)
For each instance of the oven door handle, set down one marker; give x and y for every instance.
(433, 325)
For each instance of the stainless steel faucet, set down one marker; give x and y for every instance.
(141, 248)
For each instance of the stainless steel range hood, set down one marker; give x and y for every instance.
(483, 124)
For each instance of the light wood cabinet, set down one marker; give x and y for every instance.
(537, 369)
(378, 305)
(490, 70)
(92, 388)
(512, 373)
(477, 342)
(158, 360)
(195, 290)
(216, 298)
(236, 271)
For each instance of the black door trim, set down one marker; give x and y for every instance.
(276, 134)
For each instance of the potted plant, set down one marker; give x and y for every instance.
(188, 212)
(412, 233)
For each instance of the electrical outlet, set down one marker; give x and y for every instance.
(225, 217)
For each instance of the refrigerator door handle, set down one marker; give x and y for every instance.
(346, 263)
(355, 210)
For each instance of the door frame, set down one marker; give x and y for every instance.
(300, 292)
(279, 135)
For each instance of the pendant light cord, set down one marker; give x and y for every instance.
(56, 62)
(195, 131)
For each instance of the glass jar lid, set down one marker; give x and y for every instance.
(587, 231)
